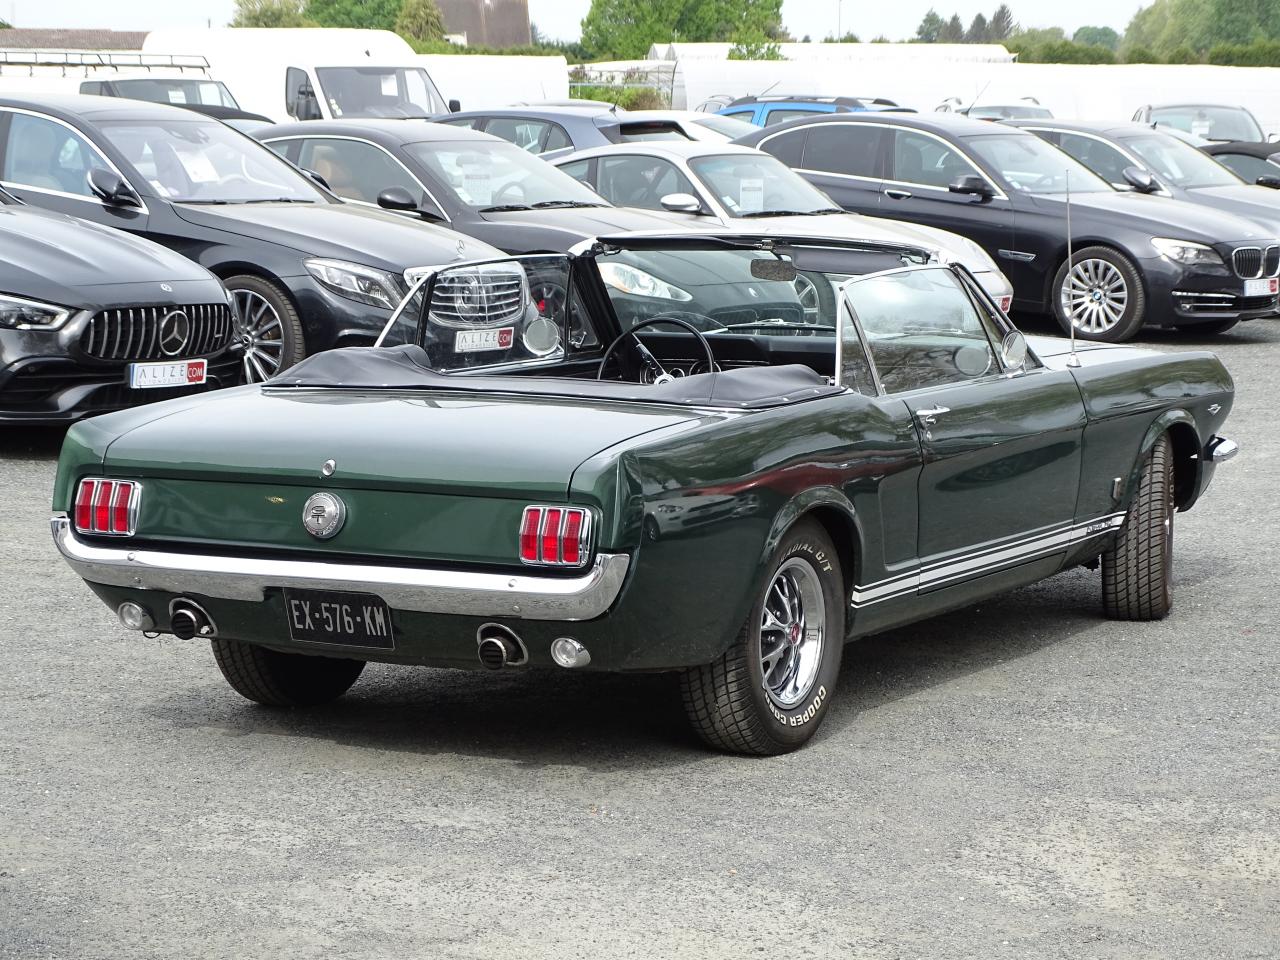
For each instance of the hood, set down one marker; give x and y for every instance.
(1159, 216)
(1259, 204)
(342, 231)
(584, 223)
(55, 258)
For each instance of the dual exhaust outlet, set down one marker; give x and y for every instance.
(499, 646)
(187, 619)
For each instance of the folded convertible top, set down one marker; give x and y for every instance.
(406, 368)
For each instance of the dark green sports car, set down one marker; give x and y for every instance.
(647, 455)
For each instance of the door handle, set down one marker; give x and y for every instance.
(929, 415)
(897, 194)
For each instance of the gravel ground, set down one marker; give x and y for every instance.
(1018, 780)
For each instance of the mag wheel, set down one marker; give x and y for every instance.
(1137, 572)
(816, 298)
(771, 689)
(267, 326)
(1102, 294)
(283, 679)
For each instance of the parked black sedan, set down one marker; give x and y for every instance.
(92, 319)
(307, 271)
(1132, 156)
(1137, 258)
(480, 185)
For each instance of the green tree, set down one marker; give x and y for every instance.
(625, 29)
(5, 25)
(849, 37)
(420, 20)
(362, 14)
(271, 13)
(1097, 37)
(1182, 54)
(1140, 54)
(1001, 27)
(930, 27)
(977, 32)
(952, 31)
(754, 45)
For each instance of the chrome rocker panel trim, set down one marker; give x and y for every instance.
(419, 590)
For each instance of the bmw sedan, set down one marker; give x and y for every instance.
(479, 185)
(307, 271)
(1130, 156)
(1137, 259)
(729, 185)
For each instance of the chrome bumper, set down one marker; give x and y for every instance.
(403, 588)
(1220, 449)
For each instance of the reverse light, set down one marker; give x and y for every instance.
(555, 536)
(107, 508)
(636, 282)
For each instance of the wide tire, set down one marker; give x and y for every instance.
(269, 327)
(769, 692)
(1137, 572)
(1118, 286)
(278, 679)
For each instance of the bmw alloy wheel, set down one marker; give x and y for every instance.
(1094, 296)
(792, 632)
(261, 335)
(807, 292)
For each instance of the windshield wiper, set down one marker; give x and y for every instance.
(785, 213)
(823, 211)
(549, 204)
(504, 207)
(275, 200)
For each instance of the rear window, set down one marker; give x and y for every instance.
(636, 132)
(851, 149)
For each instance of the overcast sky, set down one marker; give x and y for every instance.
(561, 18)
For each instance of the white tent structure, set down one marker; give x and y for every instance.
(847, 52)
(481, 82)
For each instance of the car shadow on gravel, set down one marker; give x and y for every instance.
(31, 443)
(609, 721)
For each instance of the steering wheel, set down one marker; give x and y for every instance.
(647, 358)
(500, 196)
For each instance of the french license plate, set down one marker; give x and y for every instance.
(475, 341)
(354, 619)
(1266, 286)
(177, 373)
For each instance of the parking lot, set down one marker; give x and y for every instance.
(1020, 779)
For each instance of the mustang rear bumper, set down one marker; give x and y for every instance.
(416, 589)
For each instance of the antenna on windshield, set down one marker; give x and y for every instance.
(1073, 360)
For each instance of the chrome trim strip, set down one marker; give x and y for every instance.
(463, 593)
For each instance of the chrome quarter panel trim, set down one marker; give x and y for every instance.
(420, 590)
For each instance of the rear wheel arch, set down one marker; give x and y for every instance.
(833, 511)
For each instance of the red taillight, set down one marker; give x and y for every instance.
(107, 507)
(555, 536)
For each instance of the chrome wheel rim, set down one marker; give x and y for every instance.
(261, 335)
(810, 302)
(1094, 296)
(793, 630)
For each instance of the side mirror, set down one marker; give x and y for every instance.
(1013, 350)
(971, 184)
(318, 179)
(455, 106)
(1140, 180)
(109, 187)
(401, 201)
(1269, 181)
(681, 203)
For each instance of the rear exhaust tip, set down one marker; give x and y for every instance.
(498, 646)
(187, 620)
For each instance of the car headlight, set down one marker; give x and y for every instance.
(19, 314)
(378, 288)
(1186, 252)
(640, 284)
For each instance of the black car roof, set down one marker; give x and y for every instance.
(1107, 127)
(73, 106)
(947, 123)
(390, 133)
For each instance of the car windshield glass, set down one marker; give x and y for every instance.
(747, 184)
(484, 174)
(1012, 112)
(1212, 123)
(380, 92)
(1030, 164)
(1179, 163)
(727, 127)
(178, 91)
(203, 161)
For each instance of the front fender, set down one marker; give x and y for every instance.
(1190, 471)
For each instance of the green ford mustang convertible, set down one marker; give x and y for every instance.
(719, 456)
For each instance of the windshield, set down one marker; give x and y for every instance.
(1179, 163)
(203, 161)
(1030, 164)
(380, 92)
(1212, 123)
(727, 127)
(178, 91)
(747, 184)
(1018, 112)
(484, 175)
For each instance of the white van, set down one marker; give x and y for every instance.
(180, 80)
(312, 73)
